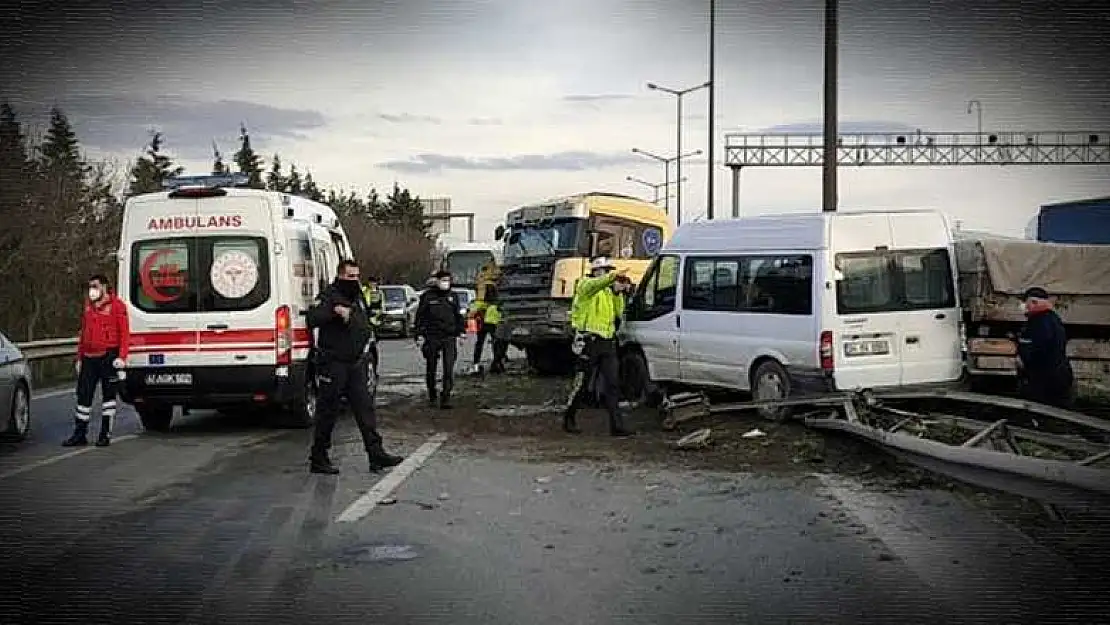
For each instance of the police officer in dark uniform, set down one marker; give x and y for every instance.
(439, 323)
(342, 359)
(1045, 372)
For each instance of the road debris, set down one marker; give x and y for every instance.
(756, 433)
(698, 439)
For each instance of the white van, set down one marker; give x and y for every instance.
(217, 280)
(788, 305)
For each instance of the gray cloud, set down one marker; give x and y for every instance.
(845, 127)
(484, 121)
(118, 123)
(559, 161)
(408, 118)
(598, 97)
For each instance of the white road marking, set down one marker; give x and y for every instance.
(55, 393)
(52, 459)
(365, 504)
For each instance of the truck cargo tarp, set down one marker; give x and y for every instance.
(1078, 275)
(1059, 269)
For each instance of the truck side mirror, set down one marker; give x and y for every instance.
(498, 233)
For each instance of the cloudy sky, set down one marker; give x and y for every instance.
(495, 103)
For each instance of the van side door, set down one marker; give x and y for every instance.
(652, 317)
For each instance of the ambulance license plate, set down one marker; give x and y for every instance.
(169, 379)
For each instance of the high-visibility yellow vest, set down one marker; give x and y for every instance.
(595, 307)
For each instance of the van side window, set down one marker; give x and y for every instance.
(658, 292)
(778, 285)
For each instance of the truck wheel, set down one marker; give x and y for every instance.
(155, 417)
(770, 381)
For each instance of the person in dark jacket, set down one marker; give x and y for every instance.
(439, 323)
(342, 359)
(1046, 374)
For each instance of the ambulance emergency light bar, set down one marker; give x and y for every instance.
(206, 182)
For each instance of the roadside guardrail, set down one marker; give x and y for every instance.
(48, 348)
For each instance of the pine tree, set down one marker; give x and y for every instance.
(60, 152)
(403, 210)
(14, 164)
(248, 161)
(219, 168)
(275, 181)
(311, 191)
(153, 168)
(294, 184)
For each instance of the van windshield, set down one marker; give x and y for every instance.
(894, 281)
(199, 274)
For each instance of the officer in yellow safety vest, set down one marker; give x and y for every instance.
(596, 309)
(488, 314)
(375, 307)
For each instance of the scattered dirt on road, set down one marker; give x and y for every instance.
(518, 416)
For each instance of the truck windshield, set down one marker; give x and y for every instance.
(894, 281)
(544, 239)
(465, 266)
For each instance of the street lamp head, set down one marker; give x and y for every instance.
(652, 85)
(698, 152)
(635, 150)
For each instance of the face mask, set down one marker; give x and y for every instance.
(444, 285)
(94, 294)
(349, 288)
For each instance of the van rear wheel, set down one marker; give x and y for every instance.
(771, 382)
(302, 414)
(155, 417)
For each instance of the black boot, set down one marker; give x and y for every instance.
(616, 425)
(445, 400)
(433, 397)
(570, 424)
(80, 436)
(379, 459)
(104, 438)
(321, 464)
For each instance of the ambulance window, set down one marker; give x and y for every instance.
(237, 273)
(163, 276)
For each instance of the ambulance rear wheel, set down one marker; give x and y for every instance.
(302, 413)
(155, 417)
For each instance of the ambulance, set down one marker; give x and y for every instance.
(217, 279)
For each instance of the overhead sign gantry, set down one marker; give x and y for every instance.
(915, 149)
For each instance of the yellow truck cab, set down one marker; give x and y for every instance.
(547, 250)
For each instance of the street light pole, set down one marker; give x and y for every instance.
(831, 148)
(977, 107)
(678, 93)
(712, 105)
(654, 186)
(667, 170)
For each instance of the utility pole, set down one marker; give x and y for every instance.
(829, 164)
(977, 107)
(679, 93)
(712, 107)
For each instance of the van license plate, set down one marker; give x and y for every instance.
(169, 379)
(156, 359)
(867, 348)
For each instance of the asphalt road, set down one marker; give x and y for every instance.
(219, 522)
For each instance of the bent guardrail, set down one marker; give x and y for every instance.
(48, 348)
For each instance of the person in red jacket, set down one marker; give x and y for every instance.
(101, 353)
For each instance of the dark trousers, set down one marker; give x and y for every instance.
(436, 349)
(336, 380)
(97, 371)
(1052, 388)
(602, 376)
(500, 347)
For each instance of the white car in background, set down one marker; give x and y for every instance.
(15, 392)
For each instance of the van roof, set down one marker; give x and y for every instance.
(303, 208)
(769, 232)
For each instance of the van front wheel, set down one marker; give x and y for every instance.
(771, 382)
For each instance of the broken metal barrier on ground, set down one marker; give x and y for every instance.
(1036, 451)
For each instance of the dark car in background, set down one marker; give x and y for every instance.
(398, 309)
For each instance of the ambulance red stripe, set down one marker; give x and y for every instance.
(185, 338)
